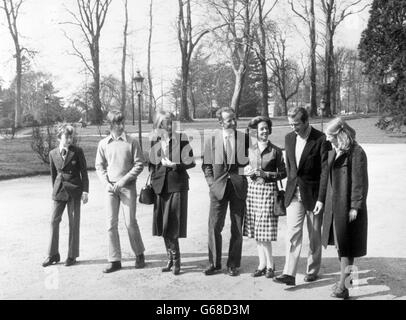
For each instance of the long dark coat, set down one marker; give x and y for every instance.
(171, 187)
(347, 188)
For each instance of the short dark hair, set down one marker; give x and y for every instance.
(293, 111)
(114, 116)
(253, 124)
(220, 111)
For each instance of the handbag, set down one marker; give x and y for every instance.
(279, 209)
(147, 194)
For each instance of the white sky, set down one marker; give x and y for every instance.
(40, 29)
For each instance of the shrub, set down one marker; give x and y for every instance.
(43, 141)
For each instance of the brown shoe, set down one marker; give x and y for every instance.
(140, 261)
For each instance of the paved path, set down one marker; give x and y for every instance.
(25, 213)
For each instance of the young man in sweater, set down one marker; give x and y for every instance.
(119, 161)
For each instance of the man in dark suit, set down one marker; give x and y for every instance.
(306, 164)
(70, 185)
(225, 156)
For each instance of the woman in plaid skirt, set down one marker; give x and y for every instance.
(265, 168)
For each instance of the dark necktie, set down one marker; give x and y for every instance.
(64, 153)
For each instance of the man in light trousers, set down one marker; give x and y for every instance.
(119, 161)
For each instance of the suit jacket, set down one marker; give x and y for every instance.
(312, 173)
(217, 171)
(69, 177)
(164, 179)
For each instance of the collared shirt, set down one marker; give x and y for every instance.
(300, 145)
(61, 148)
(123, 137)
(165, 141)
(229, 135)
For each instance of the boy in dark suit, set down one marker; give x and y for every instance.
(70, 185)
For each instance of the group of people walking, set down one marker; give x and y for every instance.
(327, 184)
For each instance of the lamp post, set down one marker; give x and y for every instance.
(138, 80)
(322, 107)
(46, 100)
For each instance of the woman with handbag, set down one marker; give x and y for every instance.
(345, 220)
(170, 156)
(266, 167)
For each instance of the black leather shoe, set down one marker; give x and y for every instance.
(139, 261)
(340, 293)
(51, 260)
(113, 266)
(310, 278)
(168, 266)
(176, 266)
(258, 272)
(269, 273)
(286, 279)
(70, 262)
(232, 271)
(211, 270)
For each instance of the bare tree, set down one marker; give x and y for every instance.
(123, 61)
(187, 41)
(306, 13)
(286, 73)
(261, 52)
(151, 93)
(90, 21)
(237, 17)
(11, 9)
(335, 12)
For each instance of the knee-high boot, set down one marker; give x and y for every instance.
(176, 256)
(169, 263)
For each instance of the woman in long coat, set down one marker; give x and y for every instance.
(266, 167)
(170, 157)
(345, 215)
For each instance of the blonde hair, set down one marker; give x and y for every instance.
(160, 116)
(345, 135)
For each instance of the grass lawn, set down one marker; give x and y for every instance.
(17, 159)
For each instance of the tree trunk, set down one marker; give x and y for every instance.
(333, 90)
(184, 109)
(328, 68)
(152, 106)
(313, 65)
(265, 89)
(96, 82)
(19, 75)
(123, 83)
(239, 82)
(192, 101)
(262, 59)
